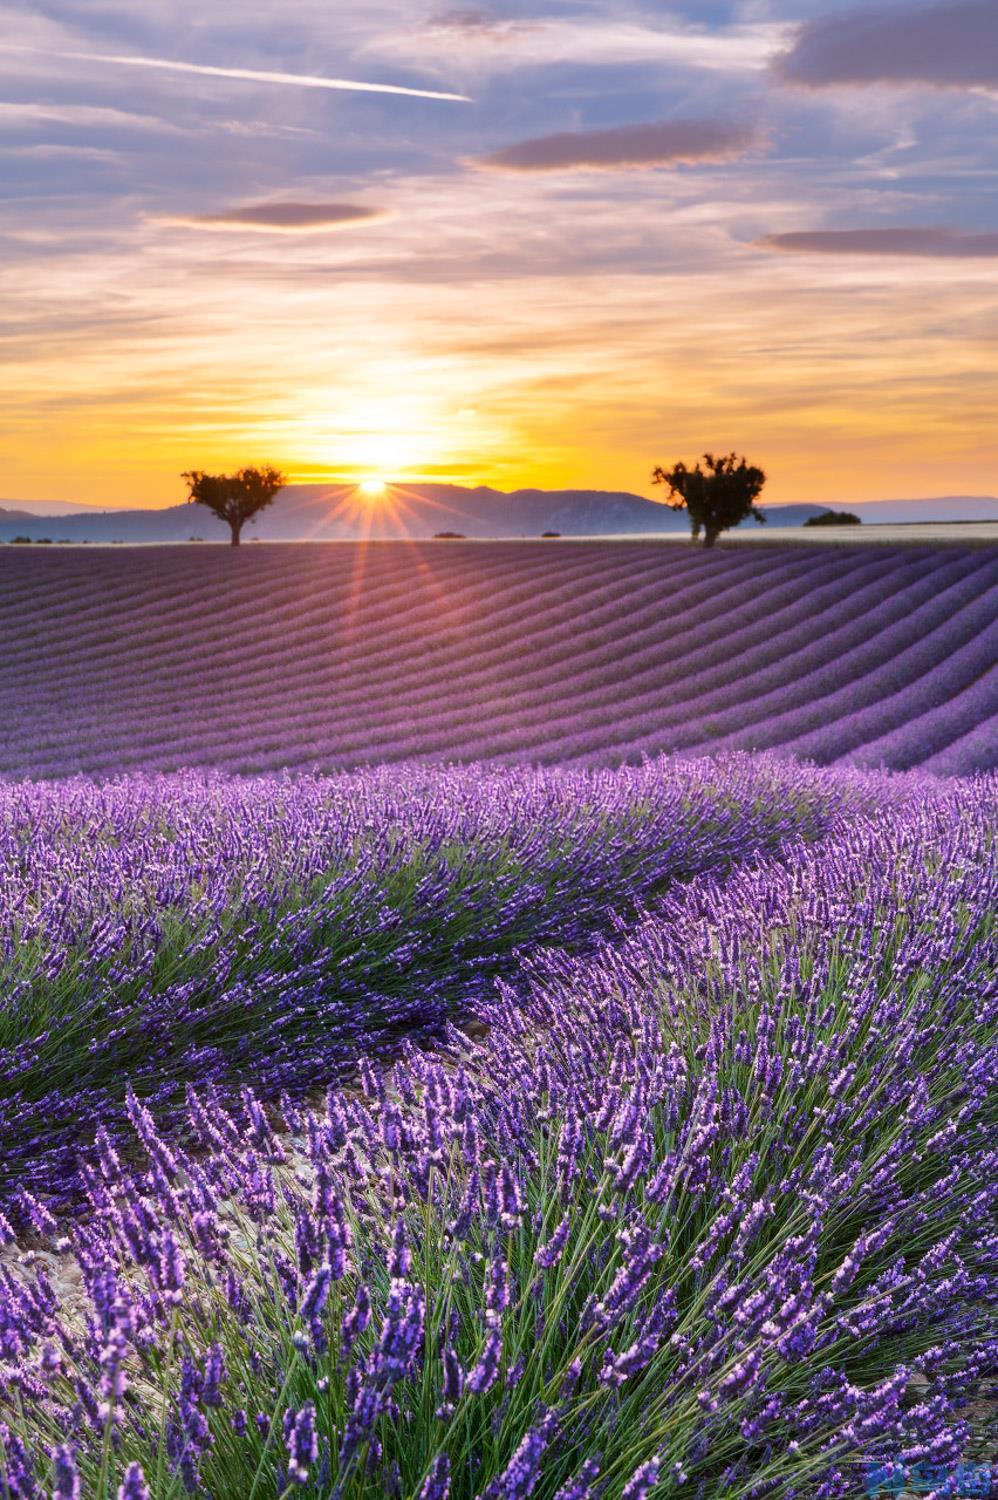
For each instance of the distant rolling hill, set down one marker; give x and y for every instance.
(940, 508)
(591, 654)
(11, 513)
(337, 512)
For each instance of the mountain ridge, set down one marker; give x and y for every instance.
(340, 512)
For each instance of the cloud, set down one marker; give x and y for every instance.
(250, 75)
(479, 25)
(25, 114)
(469, 37)
(938, 241)
(660, 143)
(282, 218)
(950, 45)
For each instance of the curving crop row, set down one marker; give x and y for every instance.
(329, 657)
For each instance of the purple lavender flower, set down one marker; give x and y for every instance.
(111, 1387)
(630, 1361)
(510, 1198)
(171, 1268)
(581, 1487)
(483, 1373)
(399, 1259)
(453, 1381)
(436, 1485)
(642, 1481)
(521, 1474)
(66, 1484)
(357, 1319)
(214, 1374)
(133, 1486)
(550, 1253)
(316, 1294)
(795, 1044)
(497, 1290)
(401, 1342)
(302, 1444)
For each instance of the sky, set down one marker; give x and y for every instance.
(548, 245)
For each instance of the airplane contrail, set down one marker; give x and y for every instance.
(251, 75)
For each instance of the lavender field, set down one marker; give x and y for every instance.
(591, 653)
(611, 1127)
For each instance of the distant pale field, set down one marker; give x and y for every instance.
(924, 533)
(917, 531)
(593, 653)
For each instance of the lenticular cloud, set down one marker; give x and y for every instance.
(952, 44)
(937, 240)
(662, 143)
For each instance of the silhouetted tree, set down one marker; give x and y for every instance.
(835, 518)
(234, 498)
(716, 496)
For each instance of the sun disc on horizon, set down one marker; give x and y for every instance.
(372, 489)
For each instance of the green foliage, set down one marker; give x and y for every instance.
(717, 496)
(808, 1185)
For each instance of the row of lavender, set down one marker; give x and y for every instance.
(590, 653)
(710, 1211)
(162, 932)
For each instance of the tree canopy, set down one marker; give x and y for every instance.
(235, 498)
(717, 494)
(835, 518)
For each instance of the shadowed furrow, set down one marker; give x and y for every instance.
(329, 657)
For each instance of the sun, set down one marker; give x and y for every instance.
(372, 489)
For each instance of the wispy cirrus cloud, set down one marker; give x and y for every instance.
(249, 75)
(660, 143)
(952, 43)
(590, 39)
(281, 217)
(25, 114)
(937, 240)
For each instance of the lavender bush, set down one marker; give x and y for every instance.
(161, 932)
(708, 1211)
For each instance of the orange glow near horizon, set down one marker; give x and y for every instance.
(521, 384)
(525, 279)
(830, 420)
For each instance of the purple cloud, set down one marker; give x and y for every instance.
(287, 217)
(661, 143)
(950, 45)
(478, 23)
(928, 241)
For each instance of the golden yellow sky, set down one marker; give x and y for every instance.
(561, 283)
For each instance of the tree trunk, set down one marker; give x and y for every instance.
(237, 527)
(710, 537)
